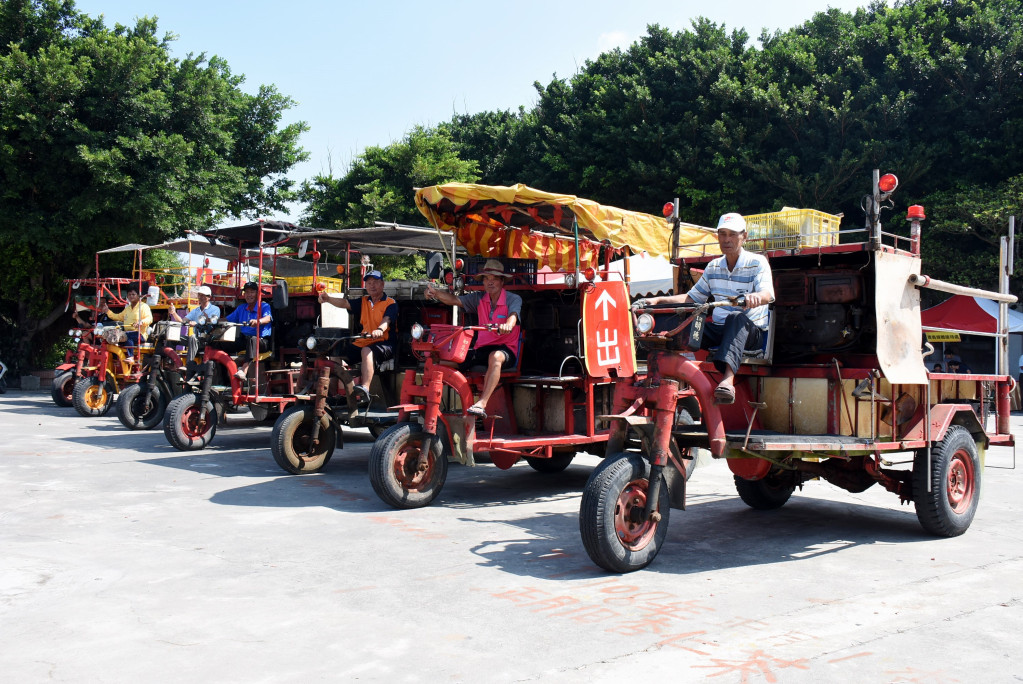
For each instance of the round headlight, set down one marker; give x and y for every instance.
(417, 331)
(99, 328)
(79, 333)
(75, 285)
(202, 320)
(459, 283)
(310, 343)
(71, 332)
(570, 280)
(214, 320)
(645, 323)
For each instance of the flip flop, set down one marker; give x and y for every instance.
(724, 395)
(476, 411)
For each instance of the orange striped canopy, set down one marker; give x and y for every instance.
(522, 222)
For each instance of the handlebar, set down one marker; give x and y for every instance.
(738, 300)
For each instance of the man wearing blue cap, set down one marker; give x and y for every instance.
(377, 315)
(733, 330)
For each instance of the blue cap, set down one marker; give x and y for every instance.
(373, 274)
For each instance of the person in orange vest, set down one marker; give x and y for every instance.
(497, 348)
(377, 315)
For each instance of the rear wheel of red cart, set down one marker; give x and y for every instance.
(63, 390)
(615, 533)
(767, 493)
(291, 440)
(92, 397)
(954, 476)
(394, 471)
(188, 424)
(555, 464)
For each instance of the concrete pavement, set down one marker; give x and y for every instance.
(123, 560)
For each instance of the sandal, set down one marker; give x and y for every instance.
(477, 411)
(360, 393)
(724, 394)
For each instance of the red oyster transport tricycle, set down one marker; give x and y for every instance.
(559, 253)
(838, 392)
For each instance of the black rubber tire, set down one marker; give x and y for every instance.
(555, 464)
(184, 411)
(948, 509)
(63, 389)
(137, 412)
(611, 541)
(391, 481)
(289, 441)
(765, 494)
(92, 397)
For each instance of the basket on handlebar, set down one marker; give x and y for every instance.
(451, 342)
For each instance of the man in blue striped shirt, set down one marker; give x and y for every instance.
(733, 330)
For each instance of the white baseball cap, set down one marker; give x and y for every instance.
(204, 290)
(734, 222)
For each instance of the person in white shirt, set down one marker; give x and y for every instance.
(733, 330)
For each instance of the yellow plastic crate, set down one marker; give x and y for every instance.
(792, 229)
(305, 284)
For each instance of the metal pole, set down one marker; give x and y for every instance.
(1003, 308)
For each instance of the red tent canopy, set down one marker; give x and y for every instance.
(969, 314)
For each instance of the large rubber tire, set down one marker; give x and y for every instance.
(188, 426)
(137, 411)
(613, 540)
(391, 463)
(555, 464)
(948, 509)
(63, 389)
(92, 397)
(377, 429)
(768, 493)
(290, 440)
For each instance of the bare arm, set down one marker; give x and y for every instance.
(442, 296)
(334, 298)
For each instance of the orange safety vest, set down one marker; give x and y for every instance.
(370, 318)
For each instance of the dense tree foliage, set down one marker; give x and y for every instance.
(105, 139)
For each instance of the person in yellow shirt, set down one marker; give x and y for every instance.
(136, 316)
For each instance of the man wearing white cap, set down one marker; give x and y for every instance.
(498, 348)
(206, 311)
(733, 330)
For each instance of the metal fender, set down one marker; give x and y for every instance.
(749, 468)
(942, 417)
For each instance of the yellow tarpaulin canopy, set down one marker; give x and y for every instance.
(522, 222)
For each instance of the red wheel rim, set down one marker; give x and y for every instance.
(405, 472)
(959, 485)
(193, 422)
(633, 536)
(67, 388)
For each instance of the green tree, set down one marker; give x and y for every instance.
(107, 139)
(379, 184)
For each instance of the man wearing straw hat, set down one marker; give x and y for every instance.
(498, 347)
(733, 330)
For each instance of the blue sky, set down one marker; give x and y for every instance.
(363, 73)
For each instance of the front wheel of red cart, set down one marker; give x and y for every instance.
(615, 533)
(395, 471)
(189, 424)
(954, 477)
